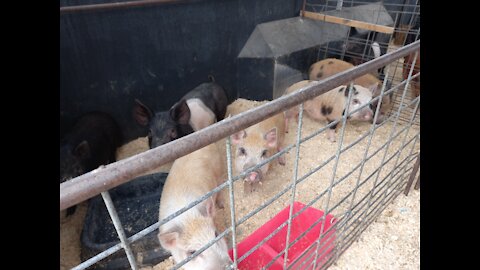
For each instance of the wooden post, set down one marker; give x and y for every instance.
(302, 13)
(417, 185)
(412, 175)
(348, 22)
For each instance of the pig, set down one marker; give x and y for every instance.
(91, 142)
(331, 105)
(191, 177)
(415, 82)
(199, 108)
(408, 60)
(362, 46)
(330, 66)
(257, 143)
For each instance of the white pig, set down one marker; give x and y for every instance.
(331, 66)
(331, 105)
(191, 177)
(257, 143)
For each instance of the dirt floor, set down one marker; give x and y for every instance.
(392, 242)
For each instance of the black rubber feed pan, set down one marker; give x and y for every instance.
(137, 203)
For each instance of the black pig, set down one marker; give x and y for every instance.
(91, 142)
(199, 108)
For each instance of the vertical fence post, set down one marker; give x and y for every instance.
(339, 5)
(118, 227)
(417, 185)
(412, 175)
(294, 184)
(302, 13)
(232, 202)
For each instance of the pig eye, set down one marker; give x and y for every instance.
(242, 151)
(173, 133)
(264, 153)
(355, 101)
(190, 252)
(216, 234)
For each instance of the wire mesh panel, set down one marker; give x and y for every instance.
(361, 45)
(343, 184)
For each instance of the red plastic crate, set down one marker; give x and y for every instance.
(266, 252)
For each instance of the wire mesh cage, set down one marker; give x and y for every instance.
(342, 184)
(361, 45)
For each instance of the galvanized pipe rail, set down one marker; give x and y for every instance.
(117, 5)
(107, 177)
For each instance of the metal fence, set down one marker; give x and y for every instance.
(372, 191)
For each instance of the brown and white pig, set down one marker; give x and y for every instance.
(257, 143)
(331, 105)
(191, 177)
(408, 60)
(330, 66)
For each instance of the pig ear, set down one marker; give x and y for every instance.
(209, 209)
(180, 112)
(373, 88)
(82, 150)
(168, 240)
(238, 137)
(141, 113)
(271, 137)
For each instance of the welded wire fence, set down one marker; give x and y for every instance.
(370, 187)
(356, 47)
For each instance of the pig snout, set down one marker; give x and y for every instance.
(216, 258)
(365, 114)
(154, 141)
(381, 115)
(368, 115)
(222, 261)
(254, 176)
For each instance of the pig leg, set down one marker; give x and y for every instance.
(331, 135)
(286, 125)
(281, 158)
(286, 122)
(331, 131)
(289, 114)
(416, 88)
(219, 200)
(288, 117)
